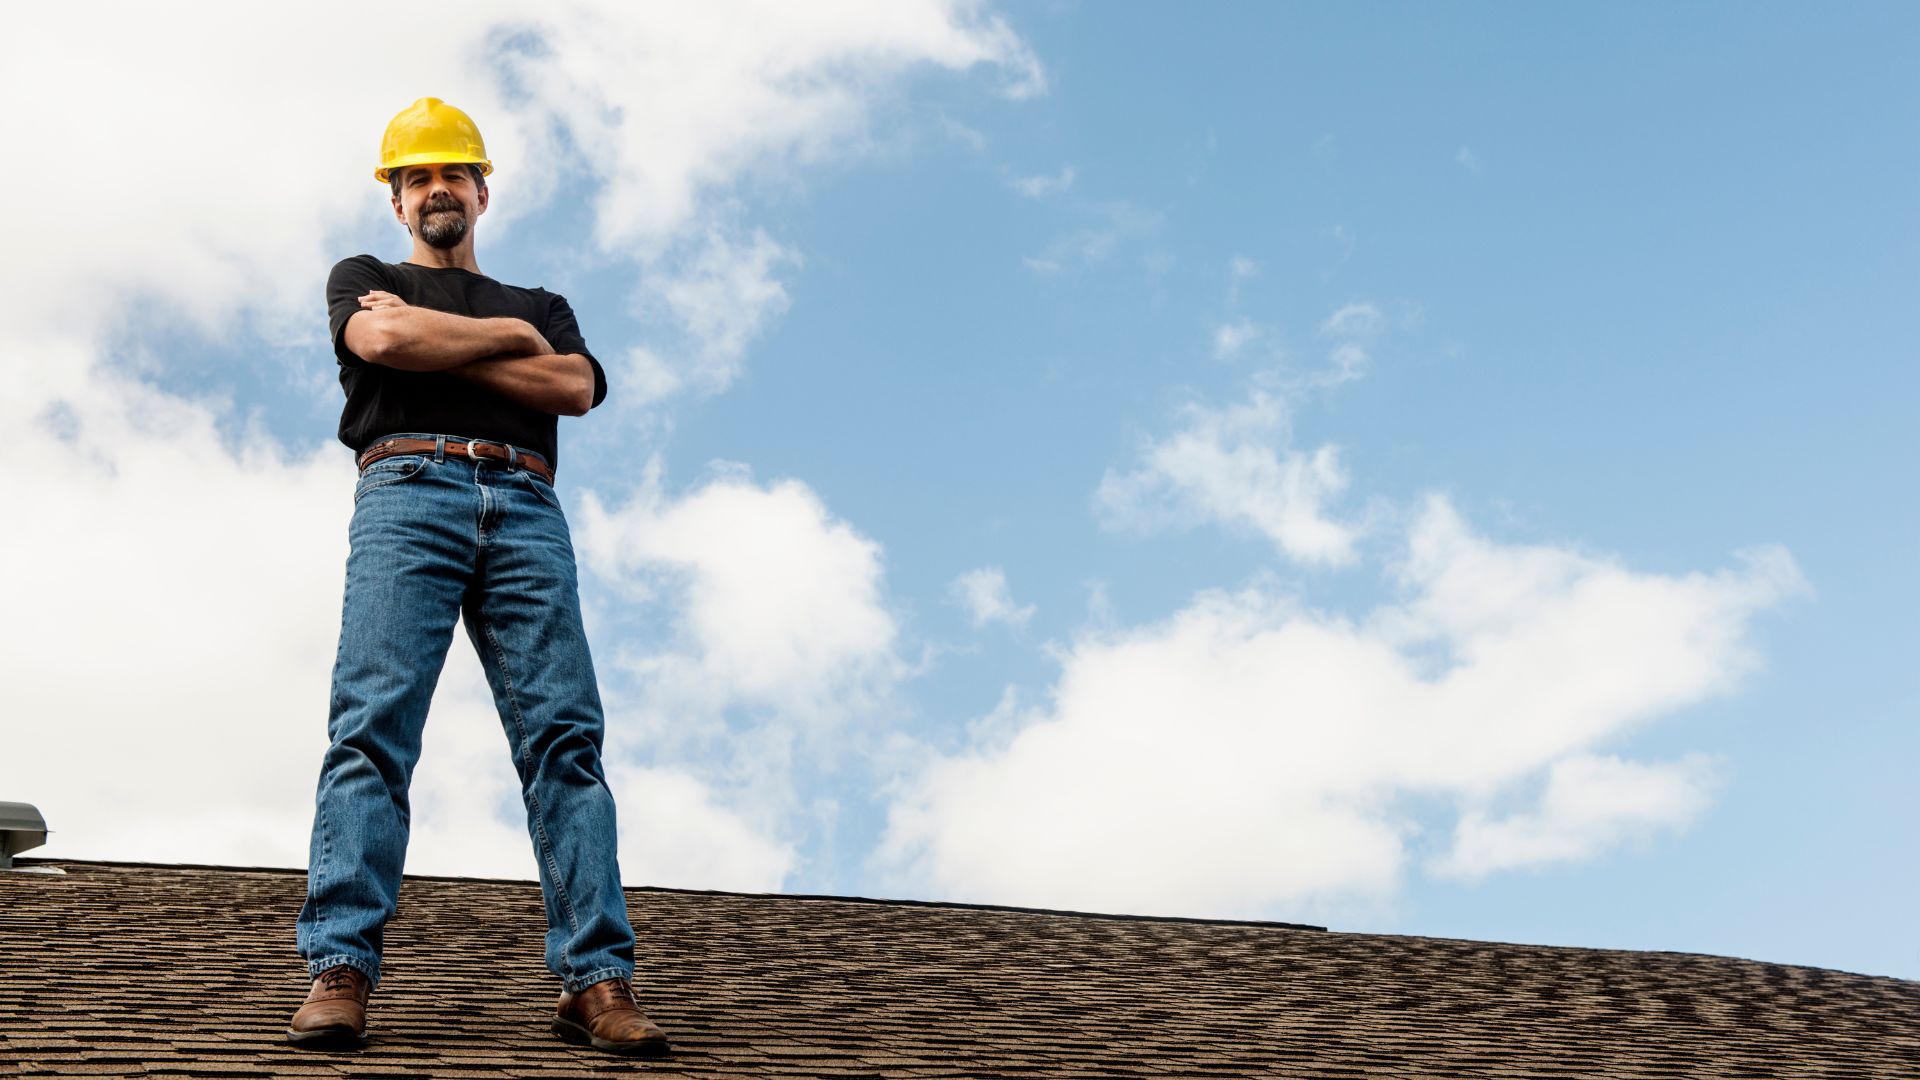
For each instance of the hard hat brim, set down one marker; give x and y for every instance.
(437, 157)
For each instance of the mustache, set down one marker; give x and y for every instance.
(445, 203)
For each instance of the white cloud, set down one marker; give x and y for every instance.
(646, 377)
(1345, 363)
(675, 104)
(984, 595)
(168, 653)
(970, 137)
(1352, 327)
(674, 832)
(1240, 269)
(1039, 187)
(1230, 466)
(779, 605)
(1248, 756)
(1591, 803)
(1343, 240)
(1356, 320)
(757, 649)
(1115, 224)
(720, 299)
(1467, 159)
(1230, 338)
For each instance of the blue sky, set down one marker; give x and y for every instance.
(1431, 470)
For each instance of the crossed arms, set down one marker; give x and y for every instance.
(507, 356)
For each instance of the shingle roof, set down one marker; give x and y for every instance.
(123, 969)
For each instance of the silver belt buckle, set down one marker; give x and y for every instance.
(511, 454)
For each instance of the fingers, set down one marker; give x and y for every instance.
(380, 299)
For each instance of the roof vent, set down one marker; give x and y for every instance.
(21, 829)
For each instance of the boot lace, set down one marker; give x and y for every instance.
(337, 978)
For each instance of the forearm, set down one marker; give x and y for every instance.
(422, 339)
(561, 384)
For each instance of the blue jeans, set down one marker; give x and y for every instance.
(437, 538)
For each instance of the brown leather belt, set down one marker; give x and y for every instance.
(474, 448)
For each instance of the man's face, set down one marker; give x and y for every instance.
(438, 203)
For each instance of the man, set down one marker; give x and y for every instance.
(454, 385)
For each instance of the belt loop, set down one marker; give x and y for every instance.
(513, 458)
(439, 449)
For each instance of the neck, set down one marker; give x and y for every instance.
(459, 256)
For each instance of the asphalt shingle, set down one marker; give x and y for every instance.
(120, 969)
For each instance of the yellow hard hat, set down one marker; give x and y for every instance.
(430, 132)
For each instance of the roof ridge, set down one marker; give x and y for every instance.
(1271, 924)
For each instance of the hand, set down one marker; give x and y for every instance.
(539, 342)
(377, 299)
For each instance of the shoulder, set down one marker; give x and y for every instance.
(543, 298)
(363, 267)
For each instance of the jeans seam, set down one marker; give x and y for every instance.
(326, 866)
(324, 825)
(539, 809)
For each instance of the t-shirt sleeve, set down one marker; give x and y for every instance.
(350, 280)
(563, 333)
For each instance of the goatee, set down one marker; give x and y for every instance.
(443, 230)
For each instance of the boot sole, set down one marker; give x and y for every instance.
(328, 1038)
(579, 1036)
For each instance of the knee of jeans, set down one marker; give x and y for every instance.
(568, 747)
(359, 756)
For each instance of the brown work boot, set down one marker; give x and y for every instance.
(335, 1015)
(606, 1017)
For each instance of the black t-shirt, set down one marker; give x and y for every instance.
(383, 400)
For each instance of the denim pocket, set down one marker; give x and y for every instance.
(543, 489)
(388, 471)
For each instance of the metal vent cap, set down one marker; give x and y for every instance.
(21, 829)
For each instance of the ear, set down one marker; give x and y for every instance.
(485, 194)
